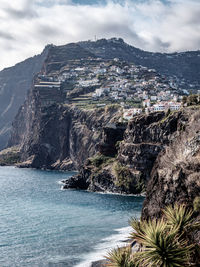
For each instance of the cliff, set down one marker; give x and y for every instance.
(58, 136)
(175, 175)
(14, 84)
(128, 170)
(54, 135)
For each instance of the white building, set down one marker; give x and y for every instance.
(162, 106)
(146, 103)
(153, 98)
(128, 114)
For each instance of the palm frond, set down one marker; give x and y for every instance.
(180, 217)
(161, 247)
(120, 257)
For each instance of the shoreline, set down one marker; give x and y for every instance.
(96, 257)
(61, 182)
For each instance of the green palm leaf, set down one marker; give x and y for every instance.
(161, 247)
(180, 217)
(120, 257)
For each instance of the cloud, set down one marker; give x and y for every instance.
(21, 14)
(153, 25)
(6, 36)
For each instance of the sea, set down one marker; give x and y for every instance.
(43, 225)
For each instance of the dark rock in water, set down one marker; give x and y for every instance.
(79, 181)
(101, 263)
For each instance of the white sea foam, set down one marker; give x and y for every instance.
(121, 194)
(118, 239)
(60, 182)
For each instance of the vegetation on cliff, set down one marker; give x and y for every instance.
(10, 156)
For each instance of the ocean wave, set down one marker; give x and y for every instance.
(60, 182)
(119, 239)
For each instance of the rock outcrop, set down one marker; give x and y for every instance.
(175, 175)
(129, 170)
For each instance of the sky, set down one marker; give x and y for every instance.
(27, 26)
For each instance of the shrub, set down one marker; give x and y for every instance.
(163, 242)
(181, 218)
(120, 257)
(123, 176)
(161, 246)
(100, 159)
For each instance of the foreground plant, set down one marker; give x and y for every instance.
(181, 218)
(165, 242)
(160, 247)
(120, 257)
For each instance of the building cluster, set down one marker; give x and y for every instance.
(110, 80)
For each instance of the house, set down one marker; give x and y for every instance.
(128, 114)
(146, 103)
(153, 98)
(162, 106)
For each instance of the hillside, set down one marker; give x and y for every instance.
(185, 66)
(14, 84)
(180, 68)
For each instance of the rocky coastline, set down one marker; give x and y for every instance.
(123, 164)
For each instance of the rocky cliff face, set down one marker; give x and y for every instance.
(175, 175)
(58, 136)
(129, 170)
(14, 84)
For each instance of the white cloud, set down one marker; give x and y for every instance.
(28, 25)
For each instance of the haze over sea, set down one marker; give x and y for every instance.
(42, 225)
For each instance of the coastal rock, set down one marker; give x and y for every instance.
(59, 136)
(175, 175)
(128, 170)
(9, 156)
(101, 263)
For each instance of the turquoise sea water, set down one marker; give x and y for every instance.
(42, 225)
